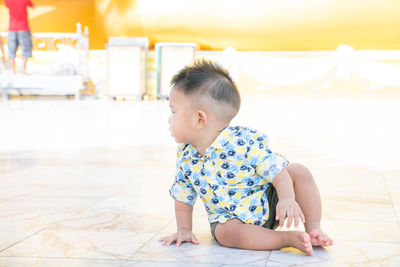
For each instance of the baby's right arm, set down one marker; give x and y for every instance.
(183, 214)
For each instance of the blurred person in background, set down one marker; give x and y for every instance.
(19, 33)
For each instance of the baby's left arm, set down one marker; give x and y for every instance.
(287, 205)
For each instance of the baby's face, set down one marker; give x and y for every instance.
(181, 119)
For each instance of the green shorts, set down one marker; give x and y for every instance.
(272, 202)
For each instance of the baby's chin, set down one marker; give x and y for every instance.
(178, 140)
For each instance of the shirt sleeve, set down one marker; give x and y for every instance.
(267, 163)
(182, 189)
(29, 3)
(270, 165)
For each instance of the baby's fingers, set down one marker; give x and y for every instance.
(296, 220)
(194, 240)
(167, 240)
(299, 217)
(289, 218)
(281, 216)
(303, 219)
(179, 241)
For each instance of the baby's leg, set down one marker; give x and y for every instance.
(309, 200)
(237, 234)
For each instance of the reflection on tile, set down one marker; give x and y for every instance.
(48, 203)
(28, 219)
(365, 253)
(290, 256)
(187, 263)
(13, 190)
(50, 262)
(372, 231)
(359, 196)
(208, 251)
(175, 264)
(80, 244)
(112, 220)
(338, 209)
(16, 161)
(73, 190)
(392, 181)
(347, 178)
(70, 262)
(344, 252)
(396, 204)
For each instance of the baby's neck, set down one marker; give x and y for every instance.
(207, 138)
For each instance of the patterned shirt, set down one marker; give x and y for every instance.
(231, 178)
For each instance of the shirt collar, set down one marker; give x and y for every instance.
(190, 152)
(221, 141)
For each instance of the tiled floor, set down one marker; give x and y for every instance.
(86, 183)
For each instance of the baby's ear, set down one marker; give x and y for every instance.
(201, 119)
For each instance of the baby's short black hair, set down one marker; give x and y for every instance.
(204, 78)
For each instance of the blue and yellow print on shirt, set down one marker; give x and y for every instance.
(231, 178)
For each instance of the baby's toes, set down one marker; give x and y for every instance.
(314, 233)
(315, 242)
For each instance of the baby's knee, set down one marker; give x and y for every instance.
(221, 234)
(225, 233)
(299, 172)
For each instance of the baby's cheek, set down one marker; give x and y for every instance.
(172, 124)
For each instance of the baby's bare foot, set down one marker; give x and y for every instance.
(301, 240)
(319, 238)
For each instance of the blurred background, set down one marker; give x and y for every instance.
(254, 25)
(316, 45)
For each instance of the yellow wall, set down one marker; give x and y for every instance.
(61, 16)
(216, 24)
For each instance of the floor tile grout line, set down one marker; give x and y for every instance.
(255, 261)
(266, 259)
(83, 209)
(391, 199)
(1, 250)
(59, 220)
(137, 250)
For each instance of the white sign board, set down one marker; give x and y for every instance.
(171, 57)
(127, 67)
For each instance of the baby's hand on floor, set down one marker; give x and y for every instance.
(288, 207)
(179, 237)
